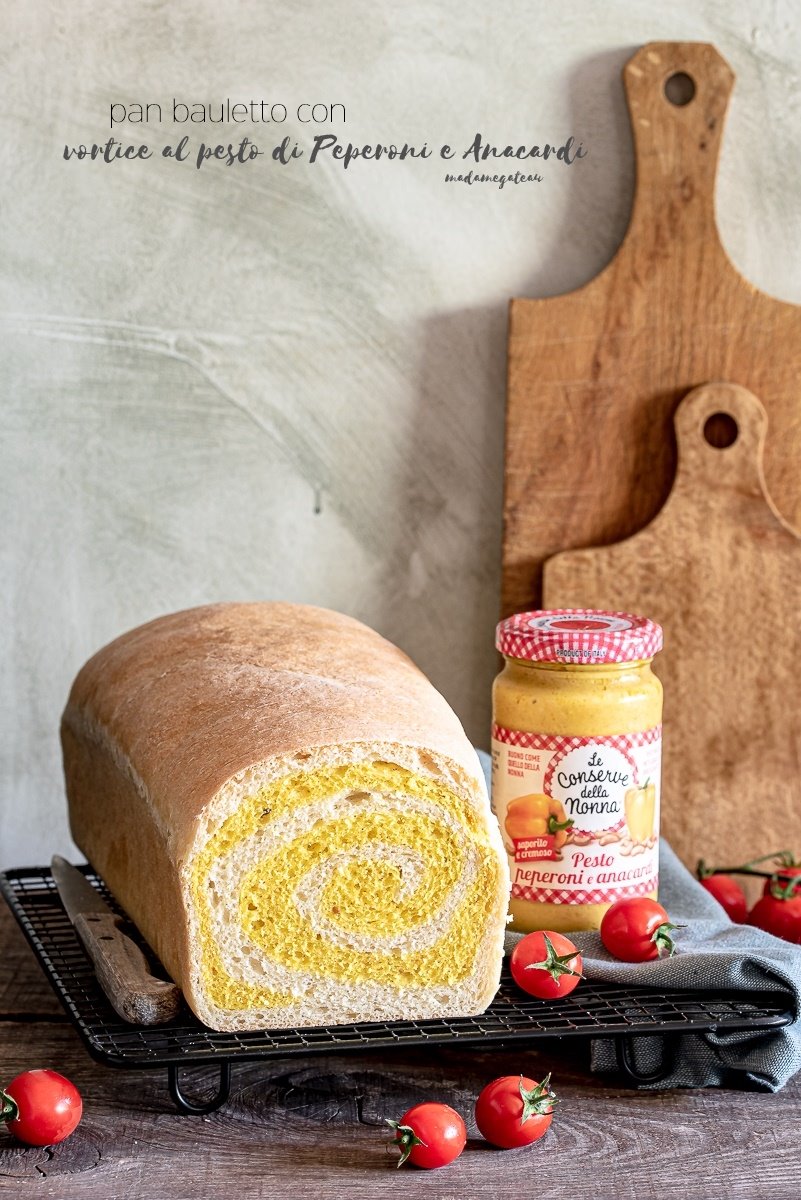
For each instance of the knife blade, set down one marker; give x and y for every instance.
(122, 969)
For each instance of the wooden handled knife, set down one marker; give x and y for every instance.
(121, 967)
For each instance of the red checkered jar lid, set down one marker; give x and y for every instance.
(578, 636)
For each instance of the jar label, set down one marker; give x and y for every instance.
(579, 816)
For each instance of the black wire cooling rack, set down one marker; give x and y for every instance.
(594, 1009)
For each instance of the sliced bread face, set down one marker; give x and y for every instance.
(356, 891)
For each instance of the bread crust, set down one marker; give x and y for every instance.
(159, 721)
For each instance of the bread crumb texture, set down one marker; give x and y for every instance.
(360, 873)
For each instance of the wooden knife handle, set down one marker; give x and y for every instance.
(123, 972)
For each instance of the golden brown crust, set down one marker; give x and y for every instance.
(195, 697)
(111, 823)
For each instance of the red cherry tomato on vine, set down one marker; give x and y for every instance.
(430, 1135)
(637, 929)
(515, 1111)
(41, 1107)
(546, 964)
(729, 895)
(779, 910)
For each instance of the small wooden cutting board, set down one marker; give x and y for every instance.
(721, 571)
(595, 376)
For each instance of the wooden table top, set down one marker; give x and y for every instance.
(301, 1128)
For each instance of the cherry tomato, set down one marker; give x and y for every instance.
(636, 929)
(430, 1135)
(515, 1111)
(729, 895)
(41, 1107)
(546, 964)
(778, 911)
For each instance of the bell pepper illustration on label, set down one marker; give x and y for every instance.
(639, 805)
(536, 827)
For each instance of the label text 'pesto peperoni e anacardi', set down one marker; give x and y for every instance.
(579, 816)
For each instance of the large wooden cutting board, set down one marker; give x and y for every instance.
(595, 375)
(721, 571)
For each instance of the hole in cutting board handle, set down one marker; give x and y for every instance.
(721, 430)
(679, 89)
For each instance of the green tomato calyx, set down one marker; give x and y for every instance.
(9, 1110)
(405, 1138)
(784, 887)
(537, 1101)
(662, 939)
(555, 964)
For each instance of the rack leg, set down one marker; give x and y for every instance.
(191, 1107)
(625, 1059)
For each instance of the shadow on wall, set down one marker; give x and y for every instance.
(598, 203)
(441, 587)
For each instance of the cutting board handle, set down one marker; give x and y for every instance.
(676, 143)
(720, 432)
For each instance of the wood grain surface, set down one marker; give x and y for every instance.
(595, 375)
(295, 1128)
(721, 571)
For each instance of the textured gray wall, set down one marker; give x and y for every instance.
(278, 382)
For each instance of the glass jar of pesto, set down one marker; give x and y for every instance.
(576, 752)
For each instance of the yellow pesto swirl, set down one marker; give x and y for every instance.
(364, 873)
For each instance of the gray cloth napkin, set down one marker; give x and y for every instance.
(712, 953)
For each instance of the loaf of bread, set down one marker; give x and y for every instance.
(292, 816)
